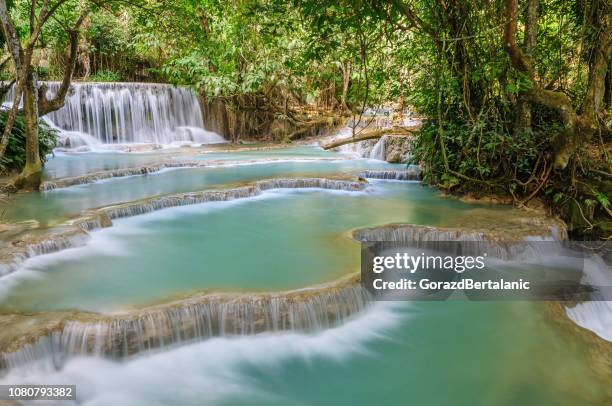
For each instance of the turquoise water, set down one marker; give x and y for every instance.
(447, 353)
(277, 153)
(69, 164)
(66, 164)
(281, 240)
(439, 354)
(67, 202)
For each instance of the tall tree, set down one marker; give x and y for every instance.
(579, 125)
(30, 98)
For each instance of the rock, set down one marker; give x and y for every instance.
(398, 148)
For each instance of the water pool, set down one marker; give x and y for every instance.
(59, 204)
(459, 353)
(279, 240)
(439, 354)
(68, 164)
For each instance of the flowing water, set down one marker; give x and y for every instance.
(144, 258)
(460, 353)
(434, 353)
(424, 353)
(46, 207)
(378, 152)
(120, 113)
(68, 164)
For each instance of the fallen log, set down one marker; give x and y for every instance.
(367, 135)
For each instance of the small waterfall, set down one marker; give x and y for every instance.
(495, 244)
(364, 149)
(596, 314)
(361, 149)
(119, 113)
(414, 233)
(378, 152)
(199, 135)
(12, 255)
(162, 202)
(412, 173)
(197, 318)
(74, 232)
(94, 177)
(115, 173)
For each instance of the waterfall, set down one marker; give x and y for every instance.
(12, 255)
(412, 173)
(162, 202)
(73, 233)
(362, 149)
(196, 318)
(94, 177)
(378, 152)
(119, 113)
(497, 244)
(596, 314)
(115, 173)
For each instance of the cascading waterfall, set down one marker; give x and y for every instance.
(56, 336)
(119, 113)
(496, 244)
(595, 315)
(121, 336)
(12, 255)
(159, 203)
(378, 152)
(115, 173)
(364, 149)
(412, 173)
(73, 233)
(94, 177)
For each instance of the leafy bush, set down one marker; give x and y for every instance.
(105, 76)
(14, 157)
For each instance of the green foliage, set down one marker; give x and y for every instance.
(481, 152)
(14, 157)
(477, 139)
(603, 199)
(106, 34)
(105, 76)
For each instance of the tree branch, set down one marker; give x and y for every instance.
(577, 128)
(47, 106)
(12, 40)
(593, 99)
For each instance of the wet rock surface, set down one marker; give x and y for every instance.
(57, 336)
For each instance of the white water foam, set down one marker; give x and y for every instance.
(378, 152)
(212, 371)
(363, 149)
(95, 114)
(109, 241)
(106, 242)
(595, 315)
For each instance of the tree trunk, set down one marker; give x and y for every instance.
(346, 81)
(366, 135)
(608, 91)
(523, 113)
(578, 129)
(31, 174)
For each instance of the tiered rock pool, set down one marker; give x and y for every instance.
(464, 353)
(225, 169)
(276, 241)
